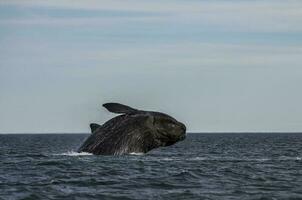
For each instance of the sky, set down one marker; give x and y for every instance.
(216, 65)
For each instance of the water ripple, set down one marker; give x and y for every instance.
(220, 166)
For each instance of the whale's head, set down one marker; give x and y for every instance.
(166, 129)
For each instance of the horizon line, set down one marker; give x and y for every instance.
(190, 132)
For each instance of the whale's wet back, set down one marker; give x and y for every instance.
(135, 131)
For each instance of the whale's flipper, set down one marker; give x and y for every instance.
(94, 126)
(119, 108)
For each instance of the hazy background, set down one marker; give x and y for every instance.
(216, 65)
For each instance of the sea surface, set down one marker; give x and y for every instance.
(203, 166)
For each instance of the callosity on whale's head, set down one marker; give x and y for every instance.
(133, 131)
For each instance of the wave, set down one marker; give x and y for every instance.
(230, 159)
(197, 158)
(282, 158)
(289, 158)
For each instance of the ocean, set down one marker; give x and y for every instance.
(203, 166)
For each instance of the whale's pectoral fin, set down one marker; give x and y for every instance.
(94, 127)
(119, 108)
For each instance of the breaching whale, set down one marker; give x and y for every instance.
(133, 131)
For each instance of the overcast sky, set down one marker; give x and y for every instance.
(216, 65)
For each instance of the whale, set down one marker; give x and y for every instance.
(132, 131)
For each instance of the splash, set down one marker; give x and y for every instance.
(136, 153)
(74, 153)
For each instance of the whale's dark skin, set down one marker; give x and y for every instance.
(134, 131)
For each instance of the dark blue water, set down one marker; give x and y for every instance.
(204, 166)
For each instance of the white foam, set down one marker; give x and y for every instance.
(136, 153)
(73, 153)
